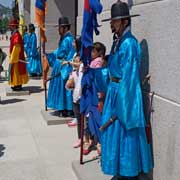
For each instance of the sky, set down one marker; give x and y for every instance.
(7, 3)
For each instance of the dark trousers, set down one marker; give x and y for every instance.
(77, 115)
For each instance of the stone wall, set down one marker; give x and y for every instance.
(158, 31)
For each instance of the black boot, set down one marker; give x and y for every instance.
(17, 88)
(56, 113)
(117, 178)
(133, 178)
(70, 113)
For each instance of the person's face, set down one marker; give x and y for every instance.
(12, 27)
(76, 60)
(118, 26)
(30, 30)
(94, 54)
(61, 30)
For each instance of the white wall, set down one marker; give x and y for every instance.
(56, 9)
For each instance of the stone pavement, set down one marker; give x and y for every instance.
(29, 149)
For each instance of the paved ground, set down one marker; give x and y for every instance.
(29, 149)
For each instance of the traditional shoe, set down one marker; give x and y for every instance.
(55, 113)
(70, 113)
(118, 178)
(72, 123)
(77, 144)
(86, 148)
(86, 151)
(17, 88)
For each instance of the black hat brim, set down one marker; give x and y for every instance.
(64, 24)
(120, 17)
(59, 25)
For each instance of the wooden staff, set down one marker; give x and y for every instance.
(108, 123)
(82, 138)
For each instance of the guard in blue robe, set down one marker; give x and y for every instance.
(125, 149)
(59, 98)
(34, 65)
(26, 40)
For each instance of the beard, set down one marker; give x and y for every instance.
(113, 29)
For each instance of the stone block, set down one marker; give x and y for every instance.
(10, 92)
(54, 120)
(89, 170)
(35, 77)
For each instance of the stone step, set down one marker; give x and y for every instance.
(54, 120)
(10, 92)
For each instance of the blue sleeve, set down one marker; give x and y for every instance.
(51, 58)
(101, 78)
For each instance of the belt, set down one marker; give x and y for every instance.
(115, 79)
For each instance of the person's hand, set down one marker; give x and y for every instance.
(64, 63)
(70, 84)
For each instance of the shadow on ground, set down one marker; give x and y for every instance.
(2, 148)
(33, 89)
(11, 101)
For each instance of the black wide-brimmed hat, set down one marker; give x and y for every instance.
(31, 26)
(64, 21)
(120, 10)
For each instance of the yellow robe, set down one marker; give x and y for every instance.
(13, 60)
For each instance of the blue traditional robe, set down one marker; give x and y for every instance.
(125, 150)
(59, 98)
(34, 65)
(26, 40)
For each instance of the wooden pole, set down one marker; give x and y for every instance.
(82, 139)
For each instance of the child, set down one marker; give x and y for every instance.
(97, 56)
(74, 83)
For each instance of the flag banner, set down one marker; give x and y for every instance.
(90, 25)
(40, 12)
(21, 15)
